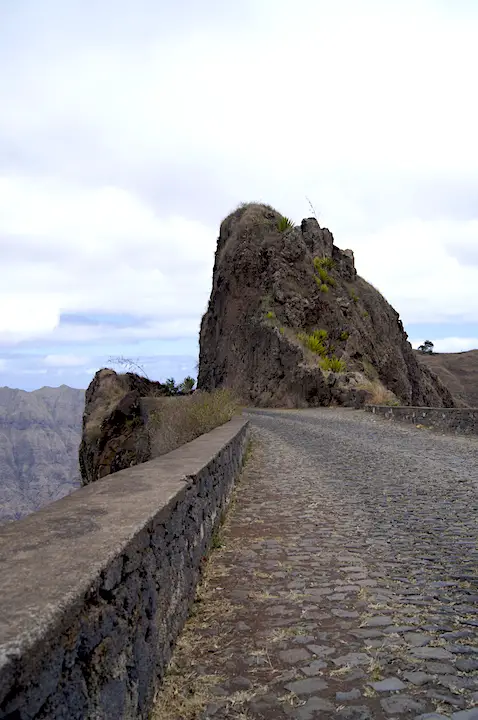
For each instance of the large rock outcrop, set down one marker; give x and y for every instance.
(115, 433)
(276, 291)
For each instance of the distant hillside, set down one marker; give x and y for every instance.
(458, 371)
(40, 433)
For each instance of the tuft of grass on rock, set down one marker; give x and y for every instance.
(378, 394)
(334, 364)
(314, 341)
(324, 262)
(284, 223)
(344, 335)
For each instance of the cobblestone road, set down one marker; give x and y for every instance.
(344, 583)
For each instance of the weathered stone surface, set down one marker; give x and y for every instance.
(97, 586)
(352, 659)
(306, 687)
(312, 708)
(458, 420)
(388, 685)
(398, 704)
(432, 653)
(417, 678)
(294, 656)
(266, 290)
(314, 668)
(348, 695)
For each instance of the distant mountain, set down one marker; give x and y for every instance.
(458, 371)
(40, 433)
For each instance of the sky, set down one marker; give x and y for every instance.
(128, 131)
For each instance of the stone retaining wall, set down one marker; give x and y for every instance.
(96, 587)
(462, 421)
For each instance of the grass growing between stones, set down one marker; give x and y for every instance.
(185, 691)
(185, 696)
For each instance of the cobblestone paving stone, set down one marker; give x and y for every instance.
(345, 583)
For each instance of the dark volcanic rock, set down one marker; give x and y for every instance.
(114, 428)
(266, 290)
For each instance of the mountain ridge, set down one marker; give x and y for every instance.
(40, 433)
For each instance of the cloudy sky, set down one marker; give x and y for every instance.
(129, 130)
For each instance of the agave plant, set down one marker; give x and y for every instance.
(333, 363)
(284, 223)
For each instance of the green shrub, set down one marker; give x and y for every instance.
(314, 342)
(324, 277)
(324, 288)
(284, 223)
(333, 363)
(324, 262)
(344, 335)
(353, 296)
(321, 266)
(320, 334)
(281, 330)
(365, 314)
(270, 315)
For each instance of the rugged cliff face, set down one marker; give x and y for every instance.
(290, 323)
(114, 423)
(39, 436)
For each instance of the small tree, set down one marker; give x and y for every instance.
(171, 386)
(427, 347)
(187, 384)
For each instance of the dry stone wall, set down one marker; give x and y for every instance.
(459, 420)
(97, 586)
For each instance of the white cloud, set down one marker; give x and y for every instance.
(352, 104)
(27, 313)
(102, 250)
(413, 264)
(60, 361)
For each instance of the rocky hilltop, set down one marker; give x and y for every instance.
(39, 436)
(291, 324)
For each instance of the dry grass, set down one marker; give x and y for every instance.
(178, 420)
(378, 393)
(185, 696)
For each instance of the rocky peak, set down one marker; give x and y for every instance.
(290, 323)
